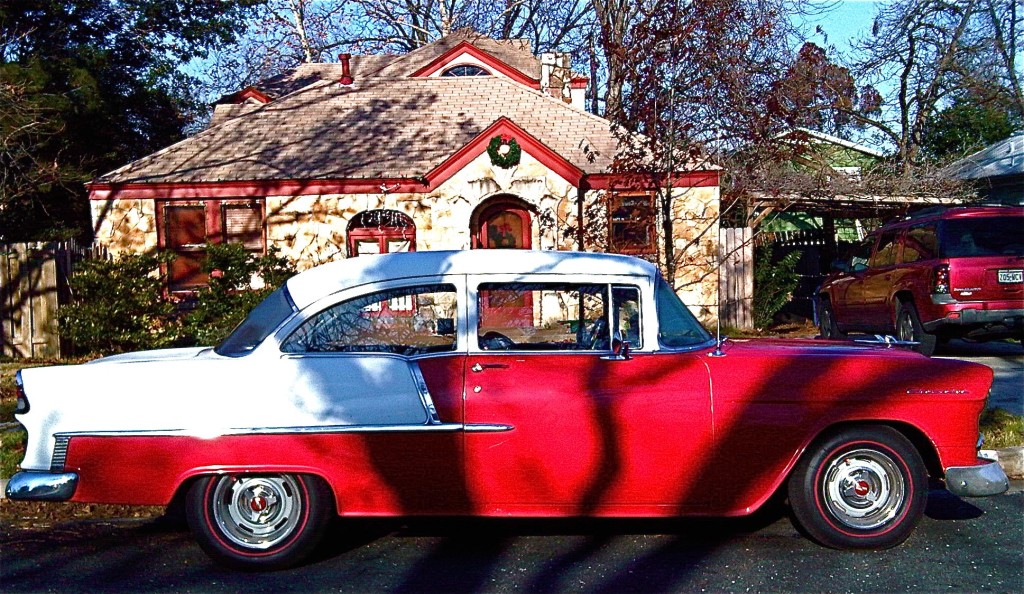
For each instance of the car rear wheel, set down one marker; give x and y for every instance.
(827, 322)
(863, 488)
(909, 328)
(258, 521)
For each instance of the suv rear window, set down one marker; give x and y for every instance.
(987, 236)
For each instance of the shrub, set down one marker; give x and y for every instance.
(118, 305)
(228, 298)
(774, 282)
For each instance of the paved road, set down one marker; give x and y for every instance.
(960, 546)
(1006, 360)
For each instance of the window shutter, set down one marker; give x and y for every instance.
(243, 223)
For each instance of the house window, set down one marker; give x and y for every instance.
(380, 232)
(631, 223)
(465, 70)
(185, 228)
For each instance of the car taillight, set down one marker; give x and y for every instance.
(22, 406)
(941, 282)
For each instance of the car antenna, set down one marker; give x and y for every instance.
(718, 352)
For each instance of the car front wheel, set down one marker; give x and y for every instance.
(909, 328)
(258, 521)
(862, 488)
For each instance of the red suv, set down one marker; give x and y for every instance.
(939, 274)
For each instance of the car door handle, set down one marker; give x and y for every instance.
(478, 367)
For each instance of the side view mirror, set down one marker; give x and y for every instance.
(621, 351)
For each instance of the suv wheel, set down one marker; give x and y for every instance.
(909, 328)
(827, 321)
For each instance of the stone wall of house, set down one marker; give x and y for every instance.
(312, 229)
(695, 228)
(125, 226)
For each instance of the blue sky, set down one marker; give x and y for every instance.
(842, 24)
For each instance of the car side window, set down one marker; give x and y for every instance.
(885, 252)
(405, 321)
(556, 316)
(861, 254)
(677, 327)
(920, 243)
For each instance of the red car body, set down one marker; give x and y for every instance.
(556, 418)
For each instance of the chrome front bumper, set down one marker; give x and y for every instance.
(977, 481)
(40, 485)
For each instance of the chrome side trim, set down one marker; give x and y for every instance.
(425, 428)
(982, 480)
(421, 387)
(60, 453)
(487, 428)
(38, 485)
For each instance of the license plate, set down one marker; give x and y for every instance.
(1011, 276)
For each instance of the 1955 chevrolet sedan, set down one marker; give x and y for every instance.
(518, 383)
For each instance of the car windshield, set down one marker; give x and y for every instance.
(982, 236)
(260, 322)
(677, 327)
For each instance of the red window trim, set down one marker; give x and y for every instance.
(214, 209)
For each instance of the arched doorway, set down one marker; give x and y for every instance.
(380, 232)
(503, 222)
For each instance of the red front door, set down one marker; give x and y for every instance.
(505, 225)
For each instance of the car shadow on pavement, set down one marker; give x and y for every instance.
(943, 505)
(966, 348)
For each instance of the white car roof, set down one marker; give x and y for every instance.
(311, 285)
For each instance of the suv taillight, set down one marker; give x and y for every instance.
(941, 280)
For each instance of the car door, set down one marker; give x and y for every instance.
(878, 281)
(847, 292)
(387, 381)
(589, 433)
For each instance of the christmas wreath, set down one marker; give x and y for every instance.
(504, 151)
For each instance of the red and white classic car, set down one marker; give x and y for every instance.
(519, 383)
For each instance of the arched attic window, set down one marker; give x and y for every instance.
(466, 70)
(380, 232)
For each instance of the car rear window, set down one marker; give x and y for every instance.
(258, 325)
(982, 236)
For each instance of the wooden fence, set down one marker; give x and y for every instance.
(33, 285)
(736, 277)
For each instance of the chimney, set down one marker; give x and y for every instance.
(346, 73)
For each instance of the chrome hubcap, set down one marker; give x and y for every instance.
(863, 489)
(257, 512)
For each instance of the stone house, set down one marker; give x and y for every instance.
(466, 143)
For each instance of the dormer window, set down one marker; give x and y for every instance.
(465, 70)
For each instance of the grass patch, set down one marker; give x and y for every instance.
(12, 450)
(1001, 429)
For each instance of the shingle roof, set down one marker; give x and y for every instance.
(306, 74)
(376, 128)
(1005, 157)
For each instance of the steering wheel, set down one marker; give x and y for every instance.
(598, 333)
(495, 341)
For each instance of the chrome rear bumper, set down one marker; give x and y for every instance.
(977, 481)
(41, 485)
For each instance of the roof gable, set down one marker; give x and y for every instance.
(456, 56)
